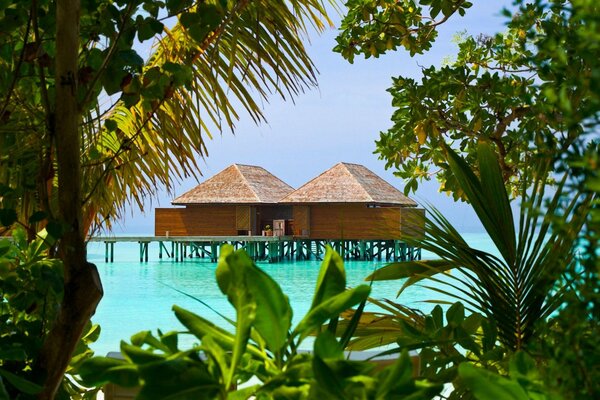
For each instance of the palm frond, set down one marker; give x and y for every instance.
(256, 52)
(514, 290)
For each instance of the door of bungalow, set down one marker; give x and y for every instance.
(245, 220)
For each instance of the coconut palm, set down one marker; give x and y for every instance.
(256, 51)
(67, 147)
(250, 51)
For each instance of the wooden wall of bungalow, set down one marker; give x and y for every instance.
(315, 221)
(357, 221)
(217, 219)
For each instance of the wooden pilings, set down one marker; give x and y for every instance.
(261, 248)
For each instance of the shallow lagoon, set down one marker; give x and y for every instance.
(139, 296)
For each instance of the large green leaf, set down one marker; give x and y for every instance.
(274, 313)
(415, 271)
(232, 279)
(330, 308)
(488, 197)
(177, 379)
(332, 277)
(245, 283)
(487, 385)
(201, 327)
(98, 371)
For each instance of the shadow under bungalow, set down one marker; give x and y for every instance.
(348, 207)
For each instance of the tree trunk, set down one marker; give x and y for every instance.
(83, 289)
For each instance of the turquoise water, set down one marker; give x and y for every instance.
(139, 296)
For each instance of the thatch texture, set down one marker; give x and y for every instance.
(348, 183)
(237, 184)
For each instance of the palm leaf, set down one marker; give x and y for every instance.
(515, 290)
(257, 51)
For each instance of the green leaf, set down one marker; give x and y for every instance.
(3, 393)
(488, 197)
(98, 371)
(243, 394)
(456, 314)
(111, 125)
(232, 280)
(201, 327)
(332, 278)
(149, 28)
(12, 353)
(37, 217)
(399, 377)
(130, 57)
(330, 308)
(328, 380)
(189, 19)
(179, 378)
(8, 216)
(55, 229)
(95, 57)
(415, 271)
(175, 6)
(217, 355)
(138, 355)
(486, 385)
(522, 366)
(327, 347)
(21, 384)
(248, 288)
(408, 269)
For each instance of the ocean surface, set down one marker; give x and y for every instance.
(139, 296)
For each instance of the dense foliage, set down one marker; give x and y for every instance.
(531, 90)
(88, 125)
(529, 95)
(31, 286)
(143, 122)
(264, 347)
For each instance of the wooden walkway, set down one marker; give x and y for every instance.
(263, 248)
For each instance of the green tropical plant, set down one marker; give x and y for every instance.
(264, 346)
(524, 381)
(31, 286)
(532, 91)
(515, 289)
(87, 125)
(536, 81)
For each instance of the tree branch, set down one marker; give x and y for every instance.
(11, 88)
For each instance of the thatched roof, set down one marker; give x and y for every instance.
(237, 184)
(348, 183)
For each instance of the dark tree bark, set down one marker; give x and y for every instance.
(82, 290)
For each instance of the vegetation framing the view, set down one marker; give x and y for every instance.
(88, 126)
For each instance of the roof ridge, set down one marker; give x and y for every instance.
(247, 183)
(354, 178)
(247, 165)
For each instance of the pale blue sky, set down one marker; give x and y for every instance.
(338, 121)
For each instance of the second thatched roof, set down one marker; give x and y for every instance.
(348, 183)
(237, 184)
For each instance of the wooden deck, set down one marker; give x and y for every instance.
(262, 248)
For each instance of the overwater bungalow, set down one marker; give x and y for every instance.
(350, 202)
(348, 207)
(241, 200)
(346, 202)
